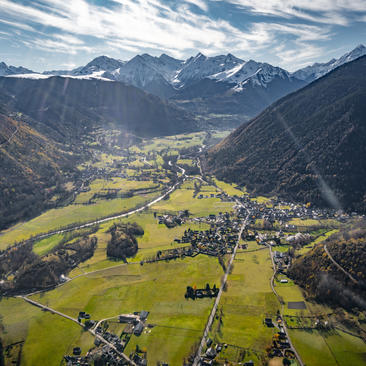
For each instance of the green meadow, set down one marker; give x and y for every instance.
(72, 214)
(245, 304)
(178, 322)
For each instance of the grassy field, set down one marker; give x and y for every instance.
(321, 238)
(100, 185)
(172, 142)
(156, 237)
(179, 322)
(185, 162)
(221, 134)
(320, 348)
(247, 302)
(182, 199)
(43, 246)
(329, 349)
(262, 199)
(230, 189)
(312, 222)
(61, 217)
(37, 328)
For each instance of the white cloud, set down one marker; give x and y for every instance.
(136, 25)
(295, 58)
(321, 11)
(137, 22)
(51, 45)
(199, 3)
(17, 25)
(69, 39)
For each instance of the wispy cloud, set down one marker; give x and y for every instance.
(180, 28)
(322, 11)
(17, 25)
(199, 3)
(139, 22)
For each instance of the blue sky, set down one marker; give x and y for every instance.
(62, 34)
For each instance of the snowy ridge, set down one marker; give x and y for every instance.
(6, 70)
(317, 70)
(165, 75)
(257, 73)
(201, 66)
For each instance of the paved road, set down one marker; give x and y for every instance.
(281, 311)
(339, 266)
(53, 311)
(10, 138)
(114, 217)
(217, 301)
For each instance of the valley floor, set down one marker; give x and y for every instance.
(105, 288)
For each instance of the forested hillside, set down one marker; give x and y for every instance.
(323, 280)
(33, 169)
(307, 147)
(70, 107)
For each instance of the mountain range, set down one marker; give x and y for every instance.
(307, 147)
(218, 86)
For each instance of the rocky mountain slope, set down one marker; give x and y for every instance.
(308, 146)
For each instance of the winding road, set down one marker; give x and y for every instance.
(92, 331)
(114, 217)
(339, 266)
(10, 138)
(281, 311)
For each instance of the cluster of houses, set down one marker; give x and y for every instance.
(136, 325)
(282, 261)
(283, 212)
(210, 195)
(213, 351)
(171, 221)
(280, 344)
(108, 352)
(220, 239)
(139, 358)
(199, 293)
(76, 361)
(137, 320)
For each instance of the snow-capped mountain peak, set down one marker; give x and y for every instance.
(256, 72)
(317, 70)
(6, 70)
(201, 66)
(101, 63)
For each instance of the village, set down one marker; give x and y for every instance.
(109, 347)
(239, 223)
